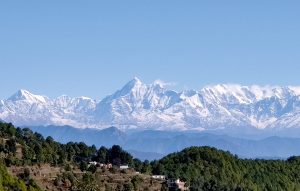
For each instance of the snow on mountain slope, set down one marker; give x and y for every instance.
(24, 95)
(153, 106)
(25, 108)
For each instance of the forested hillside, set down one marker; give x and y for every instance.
(202, 168)
(22, 183)
(206, 168)
(24, 148)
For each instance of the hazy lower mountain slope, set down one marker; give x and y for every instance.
(151, 144)
(153, 106)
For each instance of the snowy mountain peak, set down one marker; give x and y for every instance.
(135, 82)
(295, 89)
(248, 94)
(20, 94)
(132, 87)
(24, 95)
(155, 106)
(136, 79)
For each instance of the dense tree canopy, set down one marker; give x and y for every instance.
(38, 150)
(22, 147)
(206, 168)
(24, 183)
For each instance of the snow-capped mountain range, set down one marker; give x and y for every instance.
(154, 106)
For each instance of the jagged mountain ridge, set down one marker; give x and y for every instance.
(154, 106)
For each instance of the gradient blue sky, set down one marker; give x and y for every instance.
(93, 48)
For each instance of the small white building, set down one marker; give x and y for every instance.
(159, 177)
(124, 167)
(177, 184)
(106, 166)
(93, 163)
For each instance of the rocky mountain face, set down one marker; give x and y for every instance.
(154, 106)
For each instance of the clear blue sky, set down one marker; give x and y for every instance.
(92, 48)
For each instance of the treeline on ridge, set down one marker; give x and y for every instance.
(38, 150)
(206, 168)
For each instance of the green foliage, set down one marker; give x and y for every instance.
(11, 145)
(146, 167)
(86, 184)
(68, 167)
(7, 182)
(203, 168)
(92, 169)
(164, 187)
(128, 187)
(206, 168)
(38, 150)
(136, 181)
(117, 156)
(102, 155)
(83, 166)
(137, 165)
